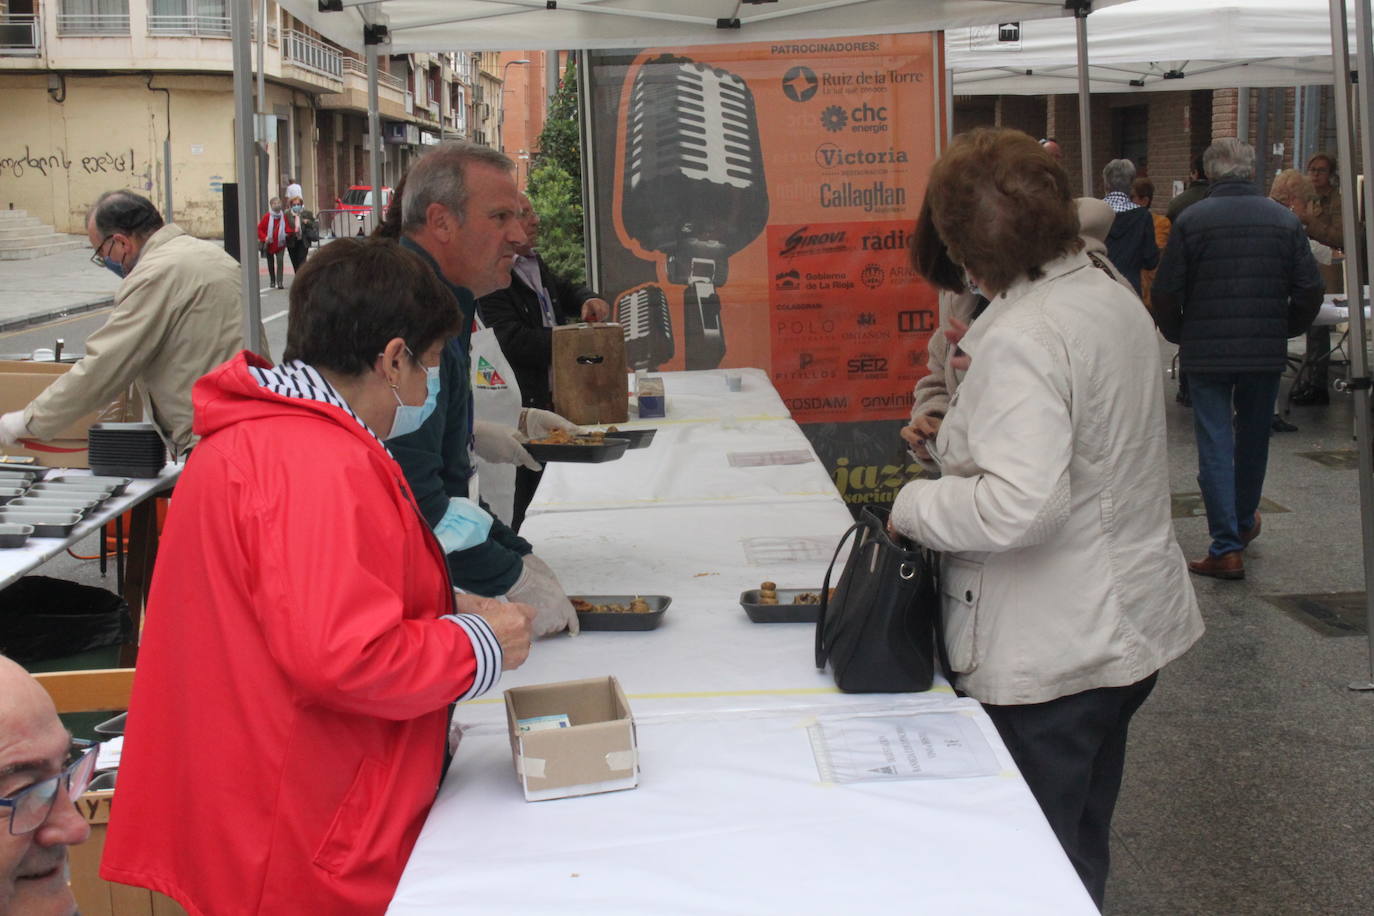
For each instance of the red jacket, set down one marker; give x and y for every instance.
(279, 238)
(289, 715)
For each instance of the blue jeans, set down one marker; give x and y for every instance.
(1231, 414)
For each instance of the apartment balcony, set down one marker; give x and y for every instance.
(20, 35)
(188, 26)
(97, 24)
(391, 91)
(311, 61)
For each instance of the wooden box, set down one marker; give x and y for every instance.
(589, 373)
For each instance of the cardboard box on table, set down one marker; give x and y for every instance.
(596, 753)
(22, 380)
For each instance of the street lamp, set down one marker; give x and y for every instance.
(501, 115)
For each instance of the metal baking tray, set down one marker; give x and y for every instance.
(28, 473)
(639, 438)
(78, 504)
(782, 612)
(116, 485)
(14, 534)
(650, 620)
(59, 491)
(8, 493)
(45, 524)
(609, 450)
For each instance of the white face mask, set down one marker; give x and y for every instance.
(408, 418)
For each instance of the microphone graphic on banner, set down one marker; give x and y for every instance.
(693, 186)
(643, 314)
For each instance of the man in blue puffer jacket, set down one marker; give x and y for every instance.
(1237, 280)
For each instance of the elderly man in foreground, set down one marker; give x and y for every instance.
(1237, 280)
(38, 819)
(176, 315)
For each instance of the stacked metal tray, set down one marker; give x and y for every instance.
(35, 505)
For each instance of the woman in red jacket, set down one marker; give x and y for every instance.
(273, 232)
(288, 724)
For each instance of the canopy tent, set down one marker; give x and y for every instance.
(1153, 45)
(462, 25)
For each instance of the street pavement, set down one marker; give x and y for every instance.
(42, 290)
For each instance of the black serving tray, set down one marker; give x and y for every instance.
(782, 612)
(127, 470)
(609, 450)
(639, 438)
(648, 621)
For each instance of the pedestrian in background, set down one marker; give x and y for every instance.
(1131, 241)
(272, 240)
(1143, 195)
(1237, 280)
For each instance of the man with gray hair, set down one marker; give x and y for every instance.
(1236, 281)
(176, 316)
(1131, 240)
(38, 788)
(460, 213)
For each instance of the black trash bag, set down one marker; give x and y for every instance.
(42, 618)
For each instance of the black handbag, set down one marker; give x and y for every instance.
(877, 630)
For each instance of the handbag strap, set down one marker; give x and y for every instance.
(822, 652)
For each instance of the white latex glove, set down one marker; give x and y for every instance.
(537, 423)
(465, 524)
(499, 444)
(12, 428)
(540, 588)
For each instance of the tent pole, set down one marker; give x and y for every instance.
(374, 134)
(1359, 373)
(1243, 115)
(1085, 125)
(240, 17)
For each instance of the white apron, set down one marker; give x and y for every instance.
(495, 399)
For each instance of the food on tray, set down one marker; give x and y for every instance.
(637, 606)
(563, 437)
(768, 594)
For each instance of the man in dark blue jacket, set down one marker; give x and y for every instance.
(459, 213)
(1236, 281)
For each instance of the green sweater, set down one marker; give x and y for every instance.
(437, 463)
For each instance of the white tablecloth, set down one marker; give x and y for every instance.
(715, 445)
(731, 815)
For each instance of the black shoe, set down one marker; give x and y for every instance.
(1310, 397)
(1280, 425)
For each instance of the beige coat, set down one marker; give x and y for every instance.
(1061, 572)
(177, 315)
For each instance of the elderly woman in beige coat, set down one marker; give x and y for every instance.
(957, 311)
(1064, 589)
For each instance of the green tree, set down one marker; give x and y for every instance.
(555, 183)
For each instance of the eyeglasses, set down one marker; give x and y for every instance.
(97, 258)
(30, 807)
(1318, 170)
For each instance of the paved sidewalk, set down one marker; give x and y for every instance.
(47, 288)
(67, 283)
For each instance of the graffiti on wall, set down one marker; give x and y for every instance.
(47, 164)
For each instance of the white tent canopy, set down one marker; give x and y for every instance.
(461, 25)
(1154, 45)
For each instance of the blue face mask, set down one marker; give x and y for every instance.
(408, 419)
(114, 267)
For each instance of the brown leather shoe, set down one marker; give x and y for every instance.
(1247, 536)
(1227, 566)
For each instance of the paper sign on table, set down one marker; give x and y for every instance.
(935, 745)
(770, 458)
